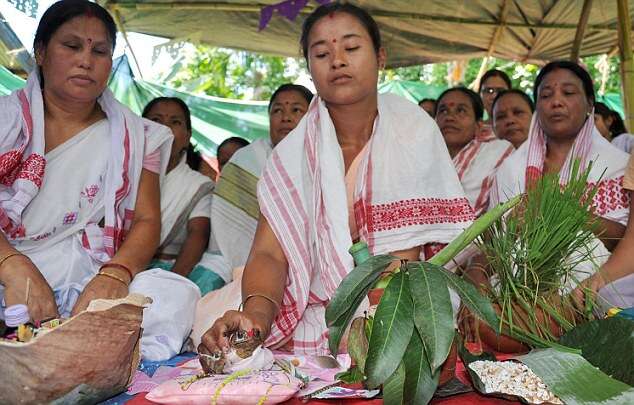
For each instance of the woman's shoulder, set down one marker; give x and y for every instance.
(609, 152)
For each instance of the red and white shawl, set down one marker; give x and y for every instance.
(407, 194)
(526, 165)
(476, 164)
(23, 164)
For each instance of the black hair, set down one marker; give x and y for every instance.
(63, 11)
(193, 159)
(234, 139)
(327, 9)
(181, 104)
(618, 126)
(425, 100)
(602, 110)
(476, 101)
(518, 92)
(307, 94)
(575, 69)
(495, 73)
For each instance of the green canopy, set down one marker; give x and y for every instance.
(413, 91)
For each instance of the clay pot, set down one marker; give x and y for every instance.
(374, 295)
(506, 344)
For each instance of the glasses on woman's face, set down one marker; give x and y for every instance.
(491, 90)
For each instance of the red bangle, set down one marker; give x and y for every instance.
(118, 266)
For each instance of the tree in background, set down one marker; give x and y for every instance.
(244, 75)
(234, 74)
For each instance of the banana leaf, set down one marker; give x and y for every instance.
(470, 296)
(467, 358)
(391, 331)
(420, 382)
(393, 387)
(433, 313)
(607, 344)
(349, 295)
(575, 381)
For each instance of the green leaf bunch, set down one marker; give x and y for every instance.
(533, 256)
(412, 331)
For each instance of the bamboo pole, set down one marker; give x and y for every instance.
(256, 8)
(117, 19)
(627, 64)
(583, 22)
(494, 39)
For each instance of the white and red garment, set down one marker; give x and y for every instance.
(476, 164)
(407, 194)
(611, 201)
(608, 168)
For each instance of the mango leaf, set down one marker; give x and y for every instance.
(607, 344)
(358, 343)
(360, 278)
(351, 376)
(349, 295)
(420, 382)
(433, 313)
(470, 296)
(575, 381)
(393, 387)
(391, 331)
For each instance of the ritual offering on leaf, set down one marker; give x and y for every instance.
(85, 359)
(513, 378)
(245, 351)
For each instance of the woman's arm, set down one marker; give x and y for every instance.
(136, 251)
(609, 232)
(193, 247)
(265, 275)
(24, 284)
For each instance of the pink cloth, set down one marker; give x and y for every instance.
(152, 161)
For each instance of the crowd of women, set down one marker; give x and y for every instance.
(96, 202)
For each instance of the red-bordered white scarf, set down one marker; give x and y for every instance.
(526, 165)
(494, 151)
(23, 164)
(407, 194)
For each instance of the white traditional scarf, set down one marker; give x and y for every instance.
(22, 165)
(181, 190)
(235, 210)
(407, 194)
(526, 165)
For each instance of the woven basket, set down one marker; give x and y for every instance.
(87, 359)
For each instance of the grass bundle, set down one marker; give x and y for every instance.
(533, 253)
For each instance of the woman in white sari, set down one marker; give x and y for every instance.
(79, 184)
(185, 204)
(459, 114)
(359, 166)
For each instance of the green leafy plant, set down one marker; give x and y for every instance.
(411, 333)
(533, 256)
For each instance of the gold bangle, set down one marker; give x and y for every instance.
(244, 301)
(8, 255)
(112, 276)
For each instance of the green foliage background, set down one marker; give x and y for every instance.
(243, 75)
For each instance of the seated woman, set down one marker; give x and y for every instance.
(512, 114)
(562, 131)
(185, 202)
(79, 180)
(493, 82)
(235, 210)
(404, 190)
(227, 148)
(459, 116)
(620, 137)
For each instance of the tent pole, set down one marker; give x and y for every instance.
(494, 39)
(583, 22)
(627, 64)
(117, 18)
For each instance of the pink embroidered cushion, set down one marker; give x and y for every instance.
(261, 387)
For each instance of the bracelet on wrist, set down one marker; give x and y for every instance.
(112, 276)
(120, 267)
